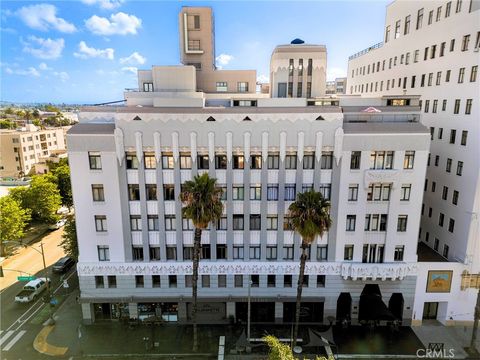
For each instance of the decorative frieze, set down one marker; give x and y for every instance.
(384, 271)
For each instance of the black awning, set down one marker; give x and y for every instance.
(371, 305)
(395, 305)
(344, 306)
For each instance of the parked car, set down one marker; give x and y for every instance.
(58, 224)
(31, 290)
(63, 265)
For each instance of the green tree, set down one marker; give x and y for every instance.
(13, 222)
(69, 241)
(7, 124)
(9, 111)
(36, 114)
(281, 351)
(42, 198)
(37, 122)
(201, 199)
(62, 175)
(309, 217)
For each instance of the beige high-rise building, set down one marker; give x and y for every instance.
(298, 70)
(197, 48)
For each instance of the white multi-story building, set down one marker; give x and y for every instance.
(431, 49)
(128, 165)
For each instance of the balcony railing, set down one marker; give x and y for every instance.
(364, 51)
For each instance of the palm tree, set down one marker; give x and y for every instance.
(202, 204)
(309, 217)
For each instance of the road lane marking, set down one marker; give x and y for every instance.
(6, 336)
(14, 340)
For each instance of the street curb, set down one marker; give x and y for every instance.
(40, 343)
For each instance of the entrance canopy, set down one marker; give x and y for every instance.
(371, 305)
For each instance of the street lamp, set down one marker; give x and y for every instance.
(41, 252)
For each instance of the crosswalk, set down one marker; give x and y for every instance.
(10, 338)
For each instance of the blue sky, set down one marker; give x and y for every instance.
(87, 51)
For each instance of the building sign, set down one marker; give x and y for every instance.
(439, 281)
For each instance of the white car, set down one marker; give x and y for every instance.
(58, 224)
(32, 290)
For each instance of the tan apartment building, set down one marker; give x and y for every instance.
(197, 48)
(21, 149)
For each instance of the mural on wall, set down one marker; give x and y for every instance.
(439, 280)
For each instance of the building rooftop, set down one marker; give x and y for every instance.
(427, 254)
(89, 128)
(215, 110)
(385, 127)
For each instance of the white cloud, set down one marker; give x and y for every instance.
(31, 71)
(85, 52)
(262, 78)
(44, 67)
(44, 17)
(335, 72)
(104, 4)
(134, 59)
(131, 69)
(222, 60)
(119, 24)
(62, 75)
(44, 48)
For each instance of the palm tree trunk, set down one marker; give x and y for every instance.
(196, 259)
(303, 259)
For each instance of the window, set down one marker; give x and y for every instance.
(448, 167)
(100, 223)
(222, 86)
(381, 160)
(444, 106)
(135, 223)
(430, 17)
(133, 192)
(132, 161)
(185, 162)
(465, 41)
(137, 253)
(150, 162)
(290, 192)
(220, 161)
(447, 76)
(168, 192)
(238, 162)
(459, 168)
(434, 186)
(206, 281)
(351, 219)
(172, 281)
(255, 252)
(273, 161)
(202, 162)
(412, 85)
(441, 218)
(308, 161)
(348, 252)
(409, 159)
(439, 78)
(238, 252)
(170, 224)
(222, 223)
(445, 193)
(422, 84)
(473, 73)
(94, 160)
(272, 192)
(387, 33)
(355, 160)
(327, 160)
(416, 55)
(320, 281)
(398, 255)
(271, 280)
(468, 107)
(451, 225)
(447, 9)
(455, 197)
(171, 252)
(167, 162)
(272, 222)
(406, 26)
(255, 162)
(154, 252)
(419, 18)
(439, 13)
(237, 222)
(405, 192)
(453, 135)
(445, 251)
(322, 253)
(442, 48)
(156, 281)
(461, 75)
(205, 252)
(238, 280)
(255, 192)
(353, 192)
(430, 79)
(402, 223)
(397, 29)
(255, 222)
(271, 252)
(290, 161)
(288, 252)
(433, 50)
(99, 282)
(325, 190)
(97, 192)
(378, 192)
(188, 253)
(463, 141)
(458, 7)
(242, 86)
(435, 105)
(376, 222)
(151, 191)
(238, 193)
(435, 245)
(103, 253)
(112, 281)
